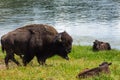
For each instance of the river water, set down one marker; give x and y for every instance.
(84, 20)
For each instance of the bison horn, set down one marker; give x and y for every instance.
(58, 38)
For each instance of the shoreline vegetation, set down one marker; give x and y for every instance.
(81, 57)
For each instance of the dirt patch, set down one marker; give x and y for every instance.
(2, 66)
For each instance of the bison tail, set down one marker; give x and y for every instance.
(2, 45)
(3, 49)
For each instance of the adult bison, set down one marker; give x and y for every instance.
(39, 40)
(99, 45)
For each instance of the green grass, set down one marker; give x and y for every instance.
(57, 68)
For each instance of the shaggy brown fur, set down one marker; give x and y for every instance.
(42, 41)
(103, 68)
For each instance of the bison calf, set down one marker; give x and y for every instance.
(99, 45)
(103, 68)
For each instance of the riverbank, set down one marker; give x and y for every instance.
(57, 68)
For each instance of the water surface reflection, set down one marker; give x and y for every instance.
(85, 20)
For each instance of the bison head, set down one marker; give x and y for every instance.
(104, 67)
(96, 44)
(63, 42)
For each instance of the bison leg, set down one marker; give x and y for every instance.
(15, 61)
(41, 61)
(27, 59)
(8, 57)
(21, 56)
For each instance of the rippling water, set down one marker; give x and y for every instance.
(84, 20)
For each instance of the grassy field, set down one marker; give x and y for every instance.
(57, 68)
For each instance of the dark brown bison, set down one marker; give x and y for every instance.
(99, 45)
(39, 40)
(103, 68)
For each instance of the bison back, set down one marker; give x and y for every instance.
(16, 40)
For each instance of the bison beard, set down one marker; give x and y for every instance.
(39, 40)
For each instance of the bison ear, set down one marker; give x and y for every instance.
(58, 38)
(109, 63)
